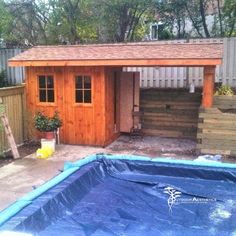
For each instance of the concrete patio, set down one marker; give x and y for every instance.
(22, 176)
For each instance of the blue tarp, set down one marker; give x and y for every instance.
(114, 195)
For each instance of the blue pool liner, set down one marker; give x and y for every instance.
(70, 168)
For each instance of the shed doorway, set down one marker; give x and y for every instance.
(126, 99)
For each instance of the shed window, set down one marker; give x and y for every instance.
(83, 89)
(46, 88)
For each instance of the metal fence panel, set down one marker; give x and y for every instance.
(15, 75)
(177, 77)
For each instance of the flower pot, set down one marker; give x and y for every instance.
(49, 135)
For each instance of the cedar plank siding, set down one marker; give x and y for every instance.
(87, 124)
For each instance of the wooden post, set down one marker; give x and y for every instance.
(208, 86)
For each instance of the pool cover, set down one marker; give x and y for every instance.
(110, 195)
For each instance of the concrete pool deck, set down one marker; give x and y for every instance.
(21, 176)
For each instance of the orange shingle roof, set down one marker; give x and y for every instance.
(132, 51)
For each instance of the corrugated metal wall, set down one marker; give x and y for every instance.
(15, 75)
(176, 77)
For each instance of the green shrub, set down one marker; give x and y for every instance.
(224, 90)
(44, 123)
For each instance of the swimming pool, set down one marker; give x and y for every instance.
(130, 195)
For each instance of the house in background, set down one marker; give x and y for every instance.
(94, 97)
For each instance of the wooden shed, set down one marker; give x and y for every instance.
(85, 83)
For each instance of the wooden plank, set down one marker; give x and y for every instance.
(217, 116)
(207, 150)
(215, 147)
(214, 136)
(219, 121)
(221, 98)
(168, 133)
(9, 91)
(223, 142)
(170, 127)
(175, 107)
(225, 102)
(192, 112)
(222, 126)
(170, 119)
(211, 110)
(157, 124)
(170, 116)
(177, 103)
(170, 99)
(224, 132)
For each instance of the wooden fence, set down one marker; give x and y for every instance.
(15, 75)
(170, 112)
(177, 77)
(14, 100)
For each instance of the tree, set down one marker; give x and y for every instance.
(120, 19)
(173, 14)
(220, 18)
(5, 20)
(34, 22)
(29, 19)
(229, 17)
(72, 21)
(202, 10)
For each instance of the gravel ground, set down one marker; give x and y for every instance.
(155, 146)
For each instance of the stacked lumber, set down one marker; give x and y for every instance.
(225, 102)
(216, 132)
(170, 112)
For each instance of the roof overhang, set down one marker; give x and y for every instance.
(119, 62)
(129, 55)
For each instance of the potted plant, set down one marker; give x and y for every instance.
(47, 124)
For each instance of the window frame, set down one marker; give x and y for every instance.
(75, 89)
(54, 89)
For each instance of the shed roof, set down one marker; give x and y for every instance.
(130, 54)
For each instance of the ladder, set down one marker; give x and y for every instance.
(8, 132)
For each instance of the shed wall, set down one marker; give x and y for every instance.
(88, 124)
